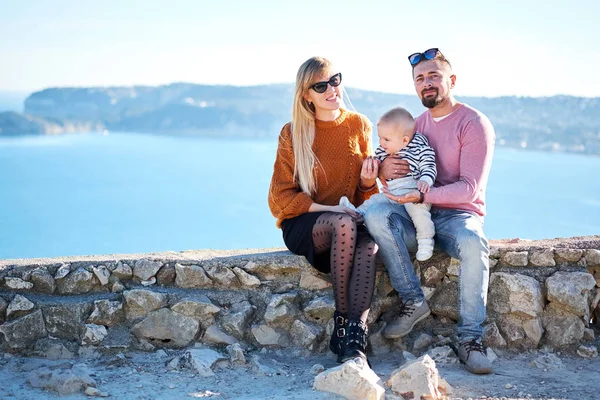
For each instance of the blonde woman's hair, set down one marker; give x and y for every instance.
(303, 123)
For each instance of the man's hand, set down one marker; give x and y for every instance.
(393, 167)
(368, 172)
(411, 197)
(423, 186)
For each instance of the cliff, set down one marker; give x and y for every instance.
(559, 123)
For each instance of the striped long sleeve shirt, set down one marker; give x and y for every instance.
(420, 157)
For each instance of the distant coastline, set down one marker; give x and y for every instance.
(557, 123)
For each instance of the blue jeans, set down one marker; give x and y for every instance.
(460, 234)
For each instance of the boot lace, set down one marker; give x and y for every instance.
(407, 309)
(473, 345)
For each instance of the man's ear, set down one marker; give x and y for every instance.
(452, 80)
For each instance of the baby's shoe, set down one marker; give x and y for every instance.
(425, 250)
(344, 202)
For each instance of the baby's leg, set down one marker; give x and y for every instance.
(421, 218)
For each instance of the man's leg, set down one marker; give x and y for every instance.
(460, 234)
(394, 233)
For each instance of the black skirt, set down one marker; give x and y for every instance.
(297, 236)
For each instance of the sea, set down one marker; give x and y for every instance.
(93, 193)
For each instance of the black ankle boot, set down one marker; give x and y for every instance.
(356, 341)
(338, 336)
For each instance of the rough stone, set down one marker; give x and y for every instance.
(166, 275)
(167, 327)
(139, 302)
(492, 336)
(191, 276)
(42, 281)
(311, 281)
(199, 307)
(422, 342)
(419, 379)
(534, 330)
(515, 293)
(145, 269)
(214, 335)
(236, 354)
(202, 361)
(3, 307)
(353, 380)
(562, 330)
(444, 302)
(236, 321)
(548, 361)
(93, 334)
(62, 381)
(568, 255)
(24, 331)
(304, 334)
(542, 258)
(107, 313)
(433, 276)
(66, 320)
(511, 327)
(76, 282)
(221, 275)
(265, 335)
(587, 351)
(246, 279)
(62, 271)
(320, 308)
(19, 306)
(379, 345)
(442, 355)
(592, 257)
(102, 273)
(280, 310)
(52, 349)
(516, 258)
(453, 268)
(122, 271)
(17, 283)
(571, 290)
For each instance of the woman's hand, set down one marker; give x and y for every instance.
(368, 172)
(358, 218)
(393, 167)
(411, 197)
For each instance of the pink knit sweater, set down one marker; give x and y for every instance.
(464, 145)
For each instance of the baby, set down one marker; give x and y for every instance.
(397, 136)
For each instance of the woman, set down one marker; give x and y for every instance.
(323, 154)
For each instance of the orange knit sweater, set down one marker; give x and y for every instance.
(340, 146)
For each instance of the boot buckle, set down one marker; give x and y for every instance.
(341, 332)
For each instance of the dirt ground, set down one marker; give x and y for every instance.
(287, 375)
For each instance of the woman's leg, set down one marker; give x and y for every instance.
(337, 232)
(362, 279)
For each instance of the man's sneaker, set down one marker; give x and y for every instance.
(471, 353)
(410, 314)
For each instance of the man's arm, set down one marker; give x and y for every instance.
(475, 161)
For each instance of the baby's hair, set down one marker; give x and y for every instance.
(403, 121)
(396, 115)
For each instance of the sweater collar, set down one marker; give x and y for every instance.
(332, 124)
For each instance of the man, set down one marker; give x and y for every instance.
(463, 140)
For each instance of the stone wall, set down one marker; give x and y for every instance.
(540, 293)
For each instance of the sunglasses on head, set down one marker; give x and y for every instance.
(430, 54)
(334, 81)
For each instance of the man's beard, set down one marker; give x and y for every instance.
(431, 102)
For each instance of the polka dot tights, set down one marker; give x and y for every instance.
(352, 262)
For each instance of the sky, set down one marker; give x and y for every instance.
(497, 48)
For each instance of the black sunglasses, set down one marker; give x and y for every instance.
(430, 54)
(334, 81)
